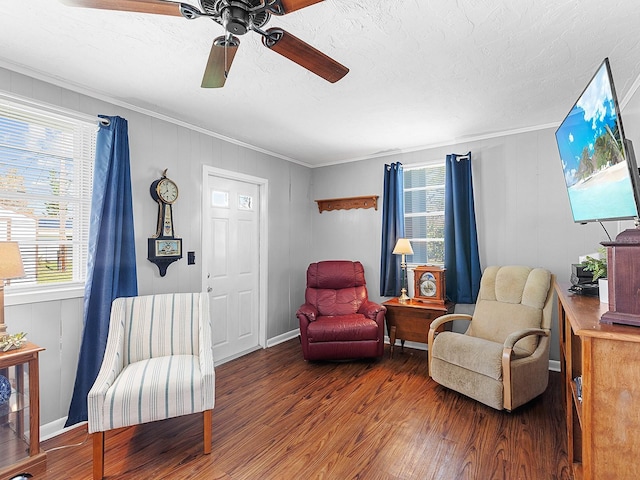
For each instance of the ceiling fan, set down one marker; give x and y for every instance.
(237, 17)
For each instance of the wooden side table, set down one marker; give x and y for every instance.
(411, 320)
(18, 453)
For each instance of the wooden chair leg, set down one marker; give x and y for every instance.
(98, 455)
(207, 418)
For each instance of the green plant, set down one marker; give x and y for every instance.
(597, 266)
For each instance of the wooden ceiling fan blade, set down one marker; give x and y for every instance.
(303, 54)
(289, 6)
(221, 57)
(142, 6)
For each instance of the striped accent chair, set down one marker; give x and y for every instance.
(158, 364)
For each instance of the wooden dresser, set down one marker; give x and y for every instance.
(603, 423)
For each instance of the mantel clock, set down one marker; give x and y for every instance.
(429, 283)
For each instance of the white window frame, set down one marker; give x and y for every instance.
(84, 136)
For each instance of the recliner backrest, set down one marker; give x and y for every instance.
(336, 287)
(159, 325)
(511, 298)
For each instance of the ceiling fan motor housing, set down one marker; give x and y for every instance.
(236, 18)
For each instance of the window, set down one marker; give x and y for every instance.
(46, 175)
(424, 213)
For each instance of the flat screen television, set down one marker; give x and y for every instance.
(598, 163)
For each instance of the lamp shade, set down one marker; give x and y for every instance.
(403, 246)
(10, 261)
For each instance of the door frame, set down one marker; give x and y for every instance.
(263, 247)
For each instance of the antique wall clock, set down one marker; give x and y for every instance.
(429, 284)
(164, 247)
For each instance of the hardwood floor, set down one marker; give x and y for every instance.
(279, 417)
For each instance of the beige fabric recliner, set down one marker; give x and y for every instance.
(502, 360)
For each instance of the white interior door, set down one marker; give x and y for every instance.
(232, 241)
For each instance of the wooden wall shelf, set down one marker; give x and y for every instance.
(369, 201)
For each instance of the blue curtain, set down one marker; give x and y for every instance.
(461, 258)
(112, 257)
(392, 230)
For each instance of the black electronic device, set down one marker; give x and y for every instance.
(580, 276)
(590, 289)
(582, 281)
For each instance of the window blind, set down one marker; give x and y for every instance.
(424, 213)
(46, 176)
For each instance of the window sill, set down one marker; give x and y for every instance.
(24, 296)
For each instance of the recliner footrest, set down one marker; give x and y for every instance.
(343, 328)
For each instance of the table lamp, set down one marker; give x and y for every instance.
(403, 247)
(10, 267)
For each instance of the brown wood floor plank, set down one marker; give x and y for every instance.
(279, 417)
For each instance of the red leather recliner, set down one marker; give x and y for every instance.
(338, 321)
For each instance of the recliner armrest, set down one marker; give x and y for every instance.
(371, 309)
(512, 339)
(448, 318)
(308, 311)
(436, 325)
(509, 343)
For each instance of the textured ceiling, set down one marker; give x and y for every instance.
(421, 73)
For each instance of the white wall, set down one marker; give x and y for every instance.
(156, 144)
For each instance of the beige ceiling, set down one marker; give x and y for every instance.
(422, 73)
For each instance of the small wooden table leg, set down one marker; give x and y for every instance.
(392, 340)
